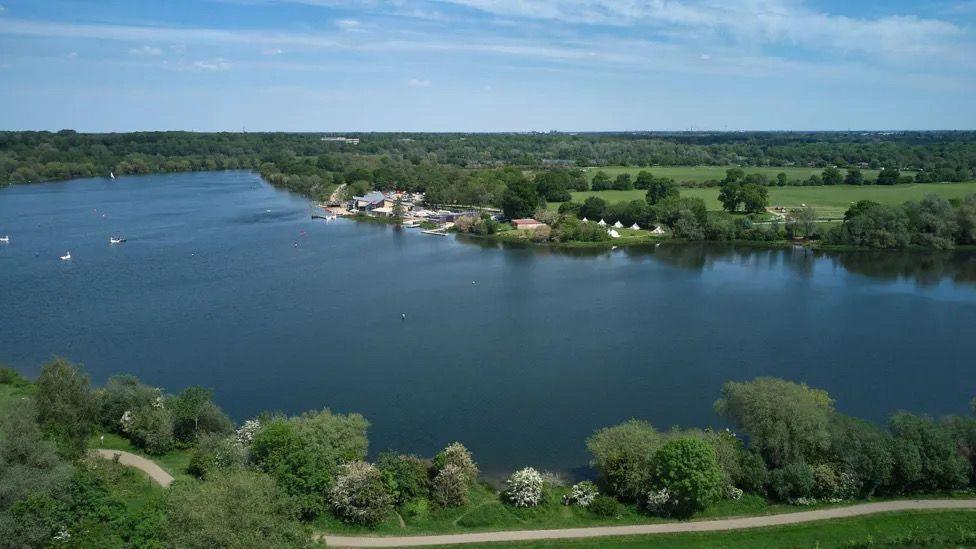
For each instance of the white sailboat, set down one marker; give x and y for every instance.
(111, 175)
(66, 256)
(5, 239)
(115, 240)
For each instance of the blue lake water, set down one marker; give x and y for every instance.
(522, 365)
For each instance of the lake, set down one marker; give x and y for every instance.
(520, 353)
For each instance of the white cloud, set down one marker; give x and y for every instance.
(271, 52)
(217, 64)
(418, 83)
(146, 50)
(350, 25)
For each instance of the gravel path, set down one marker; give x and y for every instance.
(641, 529)
(147, 466)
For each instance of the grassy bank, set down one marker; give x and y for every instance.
(904, 529)
(830, 201)
(173, 462)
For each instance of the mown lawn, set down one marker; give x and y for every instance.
(699, 174)
(11, 393)
(829, 201)
(903, 529)
(174, 461)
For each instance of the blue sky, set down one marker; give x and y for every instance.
(487, 65)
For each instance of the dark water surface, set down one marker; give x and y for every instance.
(522, 365)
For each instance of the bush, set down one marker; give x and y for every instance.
(753, 475)
(450, 487)
(525, 488)
(151, 428)
(863, 450)
(457, 455)
(194, 413)
(582, 494)
(233, 511)
(927, 457)
(792, 481)
(687, 468)
(359, 495)
(406, 477)
(624, 456)
(305, 474)
(215, 453)
(123, 393)
(605, 506)
(66, 406)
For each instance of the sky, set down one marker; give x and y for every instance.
(487, 65)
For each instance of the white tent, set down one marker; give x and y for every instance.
(585, 220)
(635, 226)
(618, 225)
(657, 230)
(613, 233)
(602, 223)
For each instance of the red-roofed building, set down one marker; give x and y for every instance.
(528, 224)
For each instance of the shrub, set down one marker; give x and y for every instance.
(280, 451)
(687, 468)
(792, 481)
(541, 234)
(582, 494)
(658, 500)
(195, 413)
(215, 453)
(359, 495)
(406, 477)
(826, 481)
(123, 393)
(605, 506)
(245, 434)
(525, 488)
(927, 455)
(233, 510)
(66, 406)
(457, 455)
(450, 487)
(151, 428)
(753, 475)
(863, 450)
(624, 456)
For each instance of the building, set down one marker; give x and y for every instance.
(342, 139)
(372, 200)
(527, 224)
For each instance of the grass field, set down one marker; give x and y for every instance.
(829, 200)
(699, 174)
(905, 529)
(174, 461)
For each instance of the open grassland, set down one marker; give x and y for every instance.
(699, 174)
(903, 529)
(830, 201)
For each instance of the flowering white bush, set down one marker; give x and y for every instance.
(456, 454)
(359, 494)
(803, 501)
(657, 500)
(158, 403)
(582, 494)
(128, 418)
(450, 487)
(247, 431)
(733, 493)
(63, 535)
(525, 487)
(552, 479)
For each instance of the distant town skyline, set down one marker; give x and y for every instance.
(487, 65)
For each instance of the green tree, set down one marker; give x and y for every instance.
(755, 197)
(623, 182)
(66, 405)
(832, 176)
(854, 177)
(195, 413)
(785, 421)
(802, 221)
(659, 188)
(733, 175)
(687, 467)
(888, 176)
(520, 199)
(278, 449)
(233, 510)
(624, 456)
(863, 450)
(730, 195)
(593, 208)
(601, 181)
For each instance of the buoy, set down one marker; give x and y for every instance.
(403, 316)
(473, 282)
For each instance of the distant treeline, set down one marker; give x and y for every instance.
(462, 168)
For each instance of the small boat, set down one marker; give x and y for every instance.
(5, 239)
(115, 240)
(111, 175)
(66, 256)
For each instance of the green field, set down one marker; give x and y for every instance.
(830, 201)
(905, 529)
(699, 174)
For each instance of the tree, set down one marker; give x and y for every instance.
(525, 488)
(520, 199)
(233, 510)
(863, 450)
(450, 486)
(659, 188)
(398, 210)
(215, 454)
(792, 480)
(359, 495)
(926, 456)
(730, 195)
(785, 421)
(458, 455)
(860, 207)
(593, 208)
(781, 179)
(623, 182)
(195, 413)
(278, 449)
(687, 468)
(66, 405)
(802, 221)
(732, 175)
(121, 394)
(624, 456)
(832, 176)
(601, 181)
(888, 176)
(854, 177)
(754, 197)
(337, 438)
(406, 477)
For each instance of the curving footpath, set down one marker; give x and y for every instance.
(147, 466)
(643, 529)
